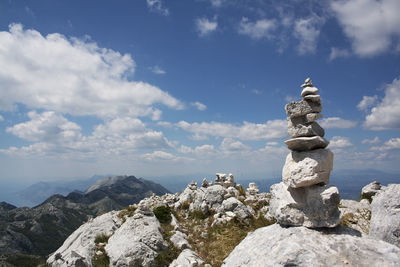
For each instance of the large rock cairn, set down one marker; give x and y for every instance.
(302, 198)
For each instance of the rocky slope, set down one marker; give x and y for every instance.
(42, 229)
(202, 224)
(221, 224)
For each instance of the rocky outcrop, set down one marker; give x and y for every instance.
(370, 190)
(179, 240)
(356, 214)
(303, 198)
(44, 228)
(137, 242)
(79, 248)
(385, 220)
(187, 258)
(276, 245)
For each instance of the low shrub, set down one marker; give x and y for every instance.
(163, 214)
(101, 238)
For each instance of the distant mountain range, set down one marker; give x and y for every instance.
(349, 183)
(39, 192)
(42, 229)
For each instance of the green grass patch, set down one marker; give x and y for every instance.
(165, 257)
(128, 212)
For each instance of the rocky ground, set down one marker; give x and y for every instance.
(223, 224)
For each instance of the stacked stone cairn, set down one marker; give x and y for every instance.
(302, 198)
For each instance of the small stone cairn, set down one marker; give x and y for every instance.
(302, 198)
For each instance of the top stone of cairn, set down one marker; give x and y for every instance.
(307, 83)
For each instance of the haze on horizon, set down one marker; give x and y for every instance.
(163, 88)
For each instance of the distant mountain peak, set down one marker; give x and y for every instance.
(109, 181)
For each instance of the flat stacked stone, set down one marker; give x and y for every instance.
(302, 198)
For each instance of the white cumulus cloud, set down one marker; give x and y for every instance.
(199, 106)
(373, 26)
(72, 76)
(385, 114)
(231, 146)
(158, 7)
(158, 70)
(376, 140)
(52, 133)
(336, 122)
(47, 126)
(367, 102)
(338, 53)
(257, 30)
(307, 31)
(1, 118)
(247, 131)
(339, 142)
(393, 143)
(206, 26)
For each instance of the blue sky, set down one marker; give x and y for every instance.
(154, 88)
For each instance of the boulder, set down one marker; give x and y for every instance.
(356, 214)
(304, 130)
(307, 168)
(187, 258)
(136, 243)
(297, 109)
(315, 206)
(79, 247)
(240, 210)
(309, 91)
(276, 245)
(385, 219)
(370, 190)
(306, 143)
(179, 240)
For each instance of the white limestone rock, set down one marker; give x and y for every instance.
(187, 258)
(241, 211)
(79, 247)
(304, 130)
(370, 190)
(310, 117)
(306, 143)
(313, 98)
(309, 91)
(385, 219)
(356, 214)
(276, 245)
(304, 107)
(136, 243)
(307, 168)
(314, 207)
(179, 240)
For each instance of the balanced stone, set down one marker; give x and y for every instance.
(306, 143)
(304, 130)
(313, 98)
(307, 83)
(310, 117)
(307, 168)
(297, 109)
(312, 207)
(309, 91)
